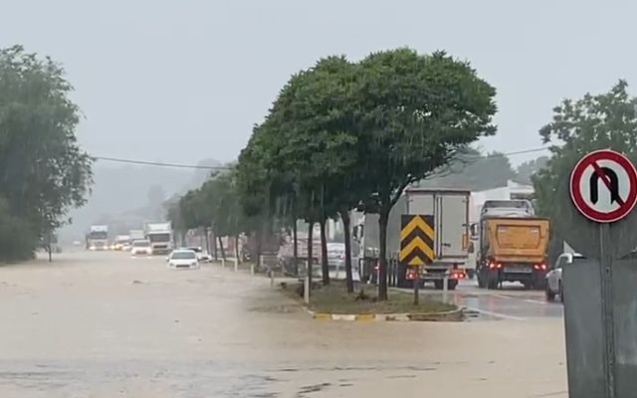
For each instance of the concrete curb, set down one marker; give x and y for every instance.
(448, 316)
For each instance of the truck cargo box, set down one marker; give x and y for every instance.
(517, 239)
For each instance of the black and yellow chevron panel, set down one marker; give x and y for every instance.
(417, 239)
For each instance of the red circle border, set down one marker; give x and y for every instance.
(576, 196)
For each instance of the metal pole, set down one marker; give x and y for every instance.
(417, 286)
(306, 290)
(271, 271)
(445, 287)
(607, 309)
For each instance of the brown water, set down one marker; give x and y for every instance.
(106, 325)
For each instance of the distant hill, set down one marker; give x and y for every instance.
(134, 192)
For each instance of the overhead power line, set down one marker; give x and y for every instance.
(196, 166)
(159, 164)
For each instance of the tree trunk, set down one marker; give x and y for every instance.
(207, 236)
(349, 279)
(236, 248)
(213, 242)
(325, 266)
(295, 247)
(382, 242)
(50, 255)
(223, 251)
(259, 245)
(310, 259)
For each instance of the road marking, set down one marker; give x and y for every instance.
(502, 296)
(495, 314)
(536, 302)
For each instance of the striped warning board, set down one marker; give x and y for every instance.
(417, 239)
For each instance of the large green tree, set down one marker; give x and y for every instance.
(607, 120)
(414, 113)
(45, 173)
(311, 137)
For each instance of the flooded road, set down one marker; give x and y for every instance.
(108, 325)
(511, 302)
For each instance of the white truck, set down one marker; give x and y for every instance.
(137, 234)
(160, 235)
(450, 208)
(97, 237)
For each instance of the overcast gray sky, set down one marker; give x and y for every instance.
(184, 80)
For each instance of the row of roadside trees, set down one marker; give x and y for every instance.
(43, 171)
(342, 135)
(345, 135)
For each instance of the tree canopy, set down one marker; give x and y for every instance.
(342, 135)
(45, 172)
(607, 120)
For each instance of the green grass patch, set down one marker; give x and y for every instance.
(334, 299)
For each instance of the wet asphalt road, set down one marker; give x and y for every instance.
(108, 325)
(511, 302)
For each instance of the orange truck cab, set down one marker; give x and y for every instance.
(513, 250)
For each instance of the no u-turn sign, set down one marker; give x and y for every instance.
(603, 186)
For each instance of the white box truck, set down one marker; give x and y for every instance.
(97, 237)
(160, 235)
(450, 208)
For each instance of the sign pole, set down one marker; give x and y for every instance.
(608, 317)
(417, 286)
(600, 342)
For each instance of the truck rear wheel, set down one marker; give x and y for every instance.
(438, 284)
(550, 296)
(451, 284)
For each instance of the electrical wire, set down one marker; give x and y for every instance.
(194, 166)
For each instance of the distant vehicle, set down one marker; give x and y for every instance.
(77, 243)
(160, 235)
(554, 277)
(136, 234)
(202, 255)
(450, 208)
(120, 241)
(336, 262)
(141, 247)
(183, 259)
(512, 245)
(97, 237)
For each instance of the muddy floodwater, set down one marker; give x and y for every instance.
(108, 325)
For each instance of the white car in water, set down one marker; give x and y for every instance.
(183, 258)
(141, 247)
(202, 255)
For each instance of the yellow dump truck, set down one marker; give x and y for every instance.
(513, 250)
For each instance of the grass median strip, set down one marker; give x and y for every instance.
(334, 299)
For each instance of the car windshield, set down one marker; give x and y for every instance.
(578, 259)
(159, 237)
(141, 243)
(185, 255)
